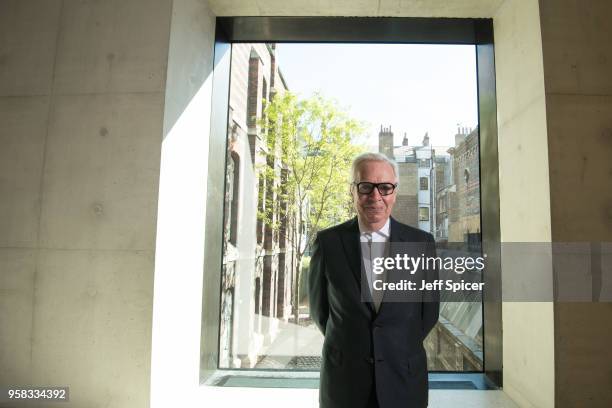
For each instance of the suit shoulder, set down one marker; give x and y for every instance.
(335, 229)
(415, 234)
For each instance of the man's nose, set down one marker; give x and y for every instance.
(375, 194)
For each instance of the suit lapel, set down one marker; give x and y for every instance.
(350, 243)
(395, 233)
(352, 251)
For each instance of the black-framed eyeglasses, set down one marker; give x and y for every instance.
(384, 189)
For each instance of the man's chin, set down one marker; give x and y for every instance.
(374, 219)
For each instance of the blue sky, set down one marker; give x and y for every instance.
(412, 88)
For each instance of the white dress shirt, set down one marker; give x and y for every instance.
(369, 252)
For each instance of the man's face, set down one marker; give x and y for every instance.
(373, 208)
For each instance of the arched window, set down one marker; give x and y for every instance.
(424, 183)
(257, 295)
(233, 189)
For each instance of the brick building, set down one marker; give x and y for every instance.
(441, 194)
(464, 208)
(457, 339)
(444, 193)
(258, 262)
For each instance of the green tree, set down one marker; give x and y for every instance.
(310, 146)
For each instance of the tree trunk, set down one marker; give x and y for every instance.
(296, 293)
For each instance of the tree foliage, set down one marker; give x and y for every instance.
(311, 144)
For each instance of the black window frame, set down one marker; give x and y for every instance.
(405, 30)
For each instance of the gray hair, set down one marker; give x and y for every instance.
(370, 156)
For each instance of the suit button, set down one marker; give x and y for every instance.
(377, 325)
(370, 360)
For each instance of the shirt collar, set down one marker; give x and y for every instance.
(384, 231)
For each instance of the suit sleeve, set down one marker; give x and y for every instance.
(431, 300)
(317, 286)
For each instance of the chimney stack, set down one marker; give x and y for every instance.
(385, 142)
(426, 139)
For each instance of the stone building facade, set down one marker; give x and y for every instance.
(440, 193)
(457, 340)
(414, 204)
(258, 262)
(444, 193)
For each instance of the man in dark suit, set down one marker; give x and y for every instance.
(373, 354)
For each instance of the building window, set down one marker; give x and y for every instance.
(423, 213)
(257, 295)
(264, 95)
(425, 163)
(232, 191)
(267, 269)
(424, 183)
(466, 175)
(261, 193)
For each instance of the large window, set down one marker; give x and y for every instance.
(423, 183)
(299, 114)
(423, 213)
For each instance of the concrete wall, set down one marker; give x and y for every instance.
(366, 8)
(81, 106)
(577, 65)
(84, 106)
(179, 258)
(528, 366)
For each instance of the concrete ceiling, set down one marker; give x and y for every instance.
(373, 8)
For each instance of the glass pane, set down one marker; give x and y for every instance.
(298, 115)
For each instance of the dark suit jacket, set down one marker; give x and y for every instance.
(361, 346)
